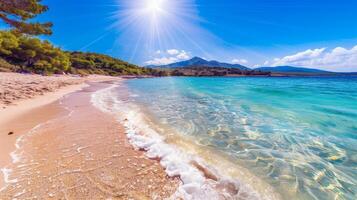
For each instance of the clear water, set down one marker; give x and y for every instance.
(297, 134)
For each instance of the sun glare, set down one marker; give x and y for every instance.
(159, 24)
(154, 5)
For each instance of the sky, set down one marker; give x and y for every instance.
(309, 33)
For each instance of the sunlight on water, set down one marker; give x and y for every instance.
(297, 134)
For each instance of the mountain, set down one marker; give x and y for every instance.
(200, 62)
(290, 69)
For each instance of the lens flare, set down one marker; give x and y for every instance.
(146, 26)
(154, 5)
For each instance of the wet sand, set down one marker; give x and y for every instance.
(24, 103)
(22, 115)
(78, 152)
(19, 124)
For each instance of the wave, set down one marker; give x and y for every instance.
(19, 155)
(199, 179)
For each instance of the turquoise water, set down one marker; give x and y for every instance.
(297, 134)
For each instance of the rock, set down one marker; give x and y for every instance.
(10, 133)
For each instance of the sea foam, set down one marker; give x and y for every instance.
(18, 155)
(177, 163)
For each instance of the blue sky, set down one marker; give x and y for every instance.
(311, 33)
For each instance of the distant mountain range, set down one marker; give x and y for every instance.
(197, 62)
(200, 62)
(290, 69)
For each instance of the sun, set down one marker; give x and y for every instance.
(146, 26)
(154, 6)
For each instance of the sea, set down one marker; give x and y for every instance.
(269, 137)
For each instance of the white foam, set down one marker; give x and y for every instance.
(17, 155)
(175, 161)
(6, 173)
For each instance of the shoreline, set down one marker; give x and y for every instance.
(113, 156)
(30, 102)
(200, 175)
(22, 117)
(50, 110)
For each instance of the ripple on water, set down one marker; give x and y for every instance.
(298, 134)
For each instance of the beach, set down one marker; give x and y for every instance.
(62, 143)
(101, 137)
(57, 145)
(65, 139)
(178, 100)
(23, 98)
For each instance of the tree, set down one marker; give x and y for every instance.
(8, 42)
(25, 53)
(33, 54)
(17, 13)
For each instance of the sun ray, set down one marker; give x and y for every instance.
(160, 25)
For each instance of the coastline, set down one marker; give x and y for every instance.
(22, 117)
(91, 133)
(28, 100)
(204, 173)
(71, 110)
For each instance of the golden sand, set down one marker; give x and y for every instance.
(81, 153)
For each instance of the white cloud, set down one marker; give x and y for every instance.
(172, 55)
(183, 55)
(173, 51)
(301, 57)
(158, 52)
(337, 59)
(161, 61)
(239, 61)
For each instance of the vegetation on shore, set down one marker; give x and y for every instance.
(215, 71)
(93, 63)
(24, 53)
(31, 54)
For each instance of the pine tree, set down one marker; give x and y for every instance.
(17, 13)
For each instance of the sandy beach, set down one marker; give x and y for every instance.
(62, 147)
(23, 100)
(57, 143)
(23, 105)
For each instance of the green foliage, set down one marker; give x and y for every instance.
(8, 42)
(92, 63)
(32, 53)
(17, 13)
(35, 55)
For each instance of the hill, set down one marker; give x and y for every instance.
(94, 63)
(290, 69)
(200, 62)
(24, 53)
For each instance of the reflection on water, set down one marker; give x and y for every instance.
(298, 134)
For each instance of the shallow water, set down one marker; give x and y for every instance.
(297, 134)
